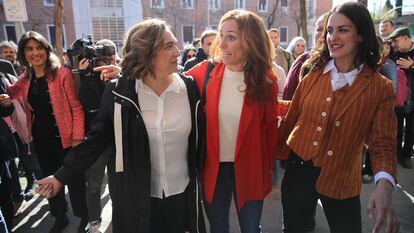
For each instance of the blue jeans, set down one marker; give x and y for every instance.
(218, 211)
(3, 226)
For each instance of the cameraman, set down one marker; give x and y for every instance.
(90, 93)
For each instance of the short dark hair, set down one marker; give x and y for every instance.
(207, 33)
(367, 51)
(387, 20)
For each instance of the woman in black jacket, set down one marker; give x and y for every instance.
(148, 118)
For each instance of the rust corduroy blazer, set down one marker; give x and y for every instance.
(334, 140)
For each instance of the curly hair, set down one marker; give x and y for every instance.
(367, 51)
(141, 43)
(258, 51)
(52, 61)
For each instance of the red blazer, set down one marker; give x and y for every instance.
(256, 140)
(68, 110)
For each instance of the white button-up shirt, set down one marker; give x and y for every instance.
(167, 119)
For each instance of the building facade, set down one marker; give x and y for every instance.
(188, 18)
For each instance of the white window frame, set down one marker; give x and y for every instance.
(46, 3)
(280, 35)
(182, 32)
(215, 6)
(157, 6)
(185, 5)
(238, 7)
(5, 31)
(50, 38)
(266, 6)
(284, 9)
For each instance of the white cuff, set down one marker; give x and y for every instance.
(385, 175)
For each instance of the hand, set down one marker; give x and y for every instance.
(108, 72)
(83, 64)
(405, 63)
(76, 142)
(48, 187)
(380, 204)
(5, 100)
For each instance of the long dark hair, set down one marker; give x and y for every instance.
(52, 61)
(368, 51)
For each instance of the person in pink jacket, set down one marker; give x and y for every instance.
(54, 117)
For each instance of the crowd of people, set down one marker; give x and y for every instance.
(180, 138)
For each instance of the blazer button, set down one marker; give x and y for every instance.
(315, 143)
(328, 99)
(319, 129)
(323, 114)
(330, 153)
(337, 123)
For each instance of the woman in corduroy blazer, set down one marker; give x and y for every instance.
(341, 104)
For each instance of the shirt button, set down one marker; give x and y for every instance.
(323, 113)
(315, 143)
(319, 129)
(328, 99)
(329, 153)
(337, 123)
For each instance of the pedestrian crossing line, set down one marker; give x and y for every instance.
(36, 224)
(406, 193)
(106, 214)
(32, 213)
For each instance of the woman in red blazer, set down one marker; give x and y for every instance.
(55, 118)
(241, 122)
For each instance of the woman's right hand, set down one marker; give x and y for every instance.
(48, 187)
(83, 64)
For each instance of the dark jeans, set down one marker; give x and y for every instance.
(169, 214)
(406, 136)
(299, 196)
(218, 211)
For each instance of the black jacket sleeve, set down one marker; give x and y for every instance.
(101, 134)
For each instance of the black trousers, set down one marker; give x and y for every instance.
(299, 196)
(169, 215)
(404, 136)
(51, 156)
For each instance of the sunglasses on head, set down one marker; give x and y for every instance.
(190, 56)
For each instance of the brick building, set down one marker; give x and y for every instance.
(188, 18)
(41, 19)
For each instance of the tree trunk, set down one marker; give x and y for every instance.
(272, 15)
(58, 29)
(303, 19)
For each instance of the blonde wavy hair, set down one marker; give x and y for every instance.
(258, 51)
(141, 43)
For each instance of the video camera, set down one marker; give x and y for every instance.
(85, 48)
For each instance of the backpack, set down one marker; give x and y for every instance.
(402, 88)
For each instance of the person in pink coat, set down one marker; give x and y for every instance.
(54, 117)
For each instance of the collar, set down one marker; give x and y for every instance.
(349, 76)
(176, 86)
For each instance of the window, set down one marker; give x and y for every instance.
(262, 6)
(48, 3)
(284, 7)
(187, 3)
(109, 28)
(10, 32)
(239, 4)
(157, 3)
(283, 37)
(215, 4)
(52, 38)
(188, 34)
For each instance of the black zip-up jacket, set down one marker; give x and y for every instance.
(130, 189)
